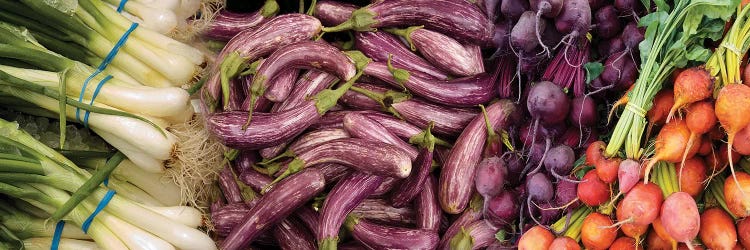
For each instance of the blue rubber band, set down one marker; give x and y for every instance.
(103, 65)
(93, 97)
(106, 182)
(57, 235)
(122, 5)
(102, 204)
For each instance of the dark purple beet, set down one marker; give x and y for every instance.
(503, 208)
(380, 45)
(332, 13)
(386, 237)
(515, 165)
(254, 43)
(490, 176)
(613, 67)
(226, 24)
(559, 160)
(628, 76)
(342, 199)
(539, 188)
(596, 4)
(575, 18)
(565, 193)
(523, 36)
(501, 37)
(547, 103)
(274, 206)
(583, 112)
(610, 46)
(378, 210)
(632, 35)
(513, 9)
(548, 213)
(461, 19)
(607, 22)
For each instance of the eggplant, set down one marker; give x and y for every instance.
(275, 205)
(255, 180)
(477, 235)
(459, 18)
(381, 45)
(362, 102)
(378, 210)
(372, 157)
(282, 85)
(252, 44)
(292, 235)
(226, 24)
(315, 138)
(443, 51)
(261, 105)
(460, 92)
(398, 127)
(469, 216)
(333, 172)
(245, 161)
(457, 175)
(412, 186)
(309, 217)
(226, 217)
(429, 214)
(228, 186)
(378, 236)
(332, 13)
(448, 121)
(307, 54)
(342, 199)
(360, 126)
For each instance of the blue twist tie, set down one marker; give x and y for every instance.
(57, 235)
(103, 65)
(122, 5)
(102, 204)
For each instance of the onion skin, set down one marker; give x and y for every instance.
(279, 202)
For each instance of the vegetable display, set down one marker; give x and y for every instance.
(386, 124)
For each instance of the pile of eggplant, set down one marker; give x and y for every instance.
(403, 124)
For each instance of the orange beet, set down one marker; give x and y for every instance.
(662, 233)
(654, 242)
(737, 202)
(691, 85)
(597, 231)
(692, 174)
(607, 168)
(625, 243)
(594, 152)
(733, 111)
(670, 145)
(592, 191)
(743, 232)
(705, 148)
(742, 141)
(564, 243)
(680, 217)
(641, 205)
(657, 115)
(717, 229)
(630, 229)
(536, 238)
(700, 119)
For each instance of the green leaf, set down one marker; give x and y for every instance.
(661, 5)
(500, 236)
(593, 70)
(651, 22)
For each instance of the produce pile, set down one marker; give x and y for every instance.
(391, 124)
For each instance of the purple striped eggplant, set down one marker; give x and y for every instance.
(443, 51)
(384, 187)
(461, 19)
(429, 214)
(398, 127)
(226, 24)
(372, 157)
(333, 172)
(262, 105)
(309, 218)
(282, 85)
(245, 161)
(278, 203)
(307, 54)
(378, 236)
(448, 121)
(381, 45)
(252, 44)
(460, 92)
(342, 199)
(332, 13)
(292, 235)
(307, 141)
(226, 217)
(228, 185)
(477, 235)
(469, 216)
(256, 180)
(412, 186)
(457, 175)
(359, 101)
(352, 245)
(360, 126)
(378, 210)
